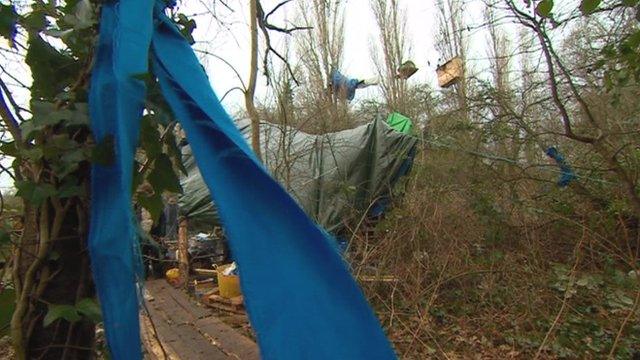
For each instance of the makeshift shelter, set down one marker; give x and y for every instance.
(400, 123)
(406, 70)
(345, 88)
(333, 177)
(450, 72)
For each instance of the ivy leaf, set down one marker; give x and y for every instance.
(57, 145)
(163, 177)
(61, 34)
(89, 308)
(71, 160)
(52, 70)
(5, 238)
(630, 2)
(7, 306)
(34, 154)
(153, 204)
(174, 151)
(79, 114)
(150, 138)
(544, 8)
(46, 113)
(104, 153)
(589, 6)
(633, 41)
(54, 255)
(34, 193)
(55, 312)
(9, 149)
(188, 25)
(8, 20)
(146, 77)
(28, 130)
(35, 21)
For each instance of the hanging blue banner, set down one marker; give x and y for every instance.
(302, 301)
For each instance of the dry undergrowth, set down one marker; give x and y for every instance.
(471, 273)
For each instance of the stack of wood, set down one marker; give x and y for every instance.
(208, 292)
(213, 299)
(450, 72)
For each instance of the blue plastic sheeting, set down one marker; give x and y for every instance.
(305, 305)
(567, 172)
(344, 85)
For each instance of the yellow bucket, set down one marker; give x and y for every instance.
(173, 274)
(228, 285)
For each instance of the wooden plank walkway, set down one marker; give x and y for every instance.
(187, 331)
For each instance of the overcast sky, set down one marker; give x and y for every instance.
(228, 38)
(232, 42)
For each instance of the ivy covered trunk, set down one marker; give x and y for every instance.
(54, 318)
(55, 312)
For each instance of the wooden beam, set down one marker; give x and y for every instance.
(183, 253)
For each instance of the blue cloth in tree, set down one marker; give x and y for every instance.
(343, 85)
(301, 299)
(567, 174)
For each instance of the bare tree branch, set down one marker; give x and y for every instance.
(265, 26)
(7, 116)
(533, 24)
(16, 107)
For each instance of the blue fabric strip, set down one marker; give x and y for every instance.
(344, 85)
(302, 301)
(116, 103)
(568, 175)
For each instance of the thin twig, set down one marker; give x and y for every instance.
(8, 117)
(12, 101)
(565, 299)
(265, 26)
(632, 311)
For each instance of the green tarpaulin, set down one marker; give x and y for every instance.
(400, 123)
(335, 177)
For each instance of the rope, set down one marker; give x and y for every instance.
(454, 147)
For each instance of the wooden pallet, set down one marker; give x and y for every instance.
(233, 305)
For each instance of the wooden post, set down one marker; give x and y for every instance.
(183, 254)
(249, 93)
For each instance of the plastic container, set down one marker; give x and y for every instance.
(228, 285)
(173, 274)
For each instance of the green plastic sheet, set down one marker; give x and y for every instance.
(335, 177)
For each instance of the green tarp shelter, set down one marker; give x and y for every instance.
(336, 177)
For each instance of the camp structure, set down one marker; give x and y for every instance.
(400, 123)
(450, 72)
(335, 177)
(406, 70)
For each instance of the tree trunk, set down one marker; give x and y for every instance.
(52, 267)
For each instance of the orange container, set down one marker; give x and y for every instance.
(228, 285)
